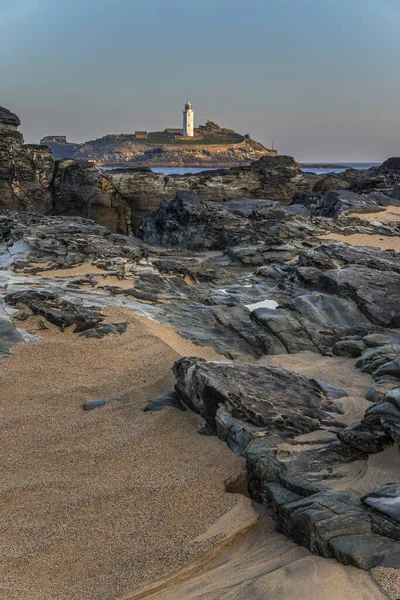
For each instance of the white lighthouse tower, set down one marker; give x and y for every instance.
(188, 120)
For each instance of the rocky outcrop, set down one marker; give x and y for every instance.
(8, 120)
(287, 428)
(284, 403)
(80, 190)
(26, 171)
(339, 202)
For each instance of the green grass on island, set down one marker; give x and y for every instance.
(163, 137)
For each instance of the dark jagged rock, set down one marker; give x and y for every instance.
(189, 222)
(262, 396)
(170, 399)
(352, 348)
(56, 310)
(383, 199)
(375, 292)
(289, 465)
(8, 120)
(328, 256)
(385, 499)
(65, 241)
(338, 202)
(366, 551)
(312, 321)
(9, 336)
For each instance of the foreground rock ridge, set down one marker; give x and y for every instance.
(264, 282)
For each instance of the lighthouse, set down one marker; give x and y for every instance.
(188, 120)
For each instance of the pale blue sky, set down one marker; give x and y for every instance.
(320, 78)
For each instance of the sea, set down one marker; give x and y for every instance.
(338, 167)
(318, 168)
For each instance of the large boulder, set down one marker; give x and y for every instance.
(376, 293)
(188, 222)
(284, 402)
(341, 202)
(8, 120)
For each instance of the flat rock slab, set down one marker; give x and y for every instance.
(385, 499)
(263, 396)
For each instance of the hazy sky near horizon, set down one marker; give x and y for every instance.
(319, 78)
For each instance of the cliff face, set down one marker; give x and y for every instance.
(162, 151)
(26, 171)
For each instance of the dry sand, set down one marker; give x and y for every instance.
(361, 239)
(95, 503)
(390, 214)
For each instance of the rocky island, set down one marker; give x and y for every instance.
(206, 146)
(211, 406)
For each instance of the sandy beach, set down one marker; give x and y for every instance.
(95, 503)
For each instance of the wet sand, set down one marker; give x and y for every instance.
(263, 564)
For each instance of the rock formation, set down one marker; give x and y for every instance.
(26, 171)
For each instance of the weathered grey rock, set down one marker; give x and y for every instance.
(160, 403)
(26, 171)
(338, 202)
(80, 190)
(351, 348)
(375, 292)
(56, 310)
(189, 222)
(385, 499)
(366, 551)
(263, 396)
(329, 256)
(383, 199)
(8, 120)
(9, 336)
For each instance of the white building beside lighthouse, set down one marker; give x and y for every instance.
(188, 120)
